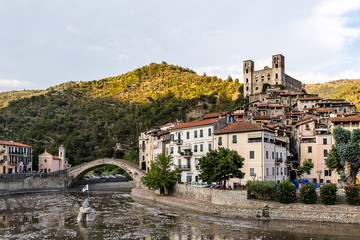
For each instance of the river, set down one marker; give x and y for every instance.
(52, 215)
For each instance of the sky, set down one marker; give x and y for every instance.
(45, 43)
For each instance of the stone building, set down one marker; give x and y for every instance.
(254, 80)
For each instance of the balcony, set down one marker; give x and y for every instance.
(178, 142)
(279, 160)
(142, 146)
(183, 167)
(186, 154)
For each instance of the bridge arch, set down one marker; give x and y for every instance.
(75, 173)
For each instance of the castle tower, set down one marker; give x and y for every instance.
(248, 70)
(62, 157)
(278, 69)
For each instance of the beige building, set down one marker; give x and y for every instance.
(254, 80)
(15, 157)
(264, 160)
(50, 163)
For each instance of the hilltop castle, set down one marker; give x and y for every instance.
(254, 80)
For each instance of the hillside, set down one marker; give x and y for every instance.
(341, 89)
(104, 118)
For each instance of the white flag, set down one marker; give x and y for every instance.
(86, 188)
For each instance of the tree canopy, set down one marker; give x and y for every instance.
(304, 167)
(160, 176)
(220, 165)
(345, 154)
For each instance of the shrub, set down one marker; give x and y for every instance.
(262, 187)
(286, 192)
(352, 195)
(308, 194)
(328, 194)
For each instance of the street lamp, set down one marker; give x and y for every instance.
(253, 175)
(319, 172)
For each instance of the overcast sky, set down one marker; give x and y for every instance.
(44, 43)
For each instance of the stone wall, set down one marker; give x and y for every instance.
(33, 181)
(235, 204)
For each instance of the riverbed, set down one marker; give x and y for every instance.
(52, 215)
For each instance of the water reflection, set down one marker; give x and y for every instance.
(53, 216)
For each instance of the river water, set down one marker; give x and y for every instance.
(52, 215)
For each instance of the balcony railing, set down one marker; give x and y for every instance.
(186, 154)
(279, 160)
(179, 142)
(183, 167)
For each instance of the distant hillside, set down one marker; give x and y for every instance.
(104, 118)
(6, 97)
(341, 89)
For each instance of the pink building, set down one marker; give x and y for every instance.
(50, 163)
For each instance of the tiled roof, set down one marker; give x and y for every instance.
(214, 115)
(309, 98)
(169, 124)
(324, 110)
(240, 127)
(261, 117)
(16, 144)
(276, 105)
(197, 123)
(345, 119)
(304, 121)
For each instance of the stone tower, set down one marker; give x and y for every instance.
(278, 69)
(248, 68)
(62, 156)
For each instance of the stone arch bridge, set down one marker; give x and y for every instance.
(64, 179)
(75, 173)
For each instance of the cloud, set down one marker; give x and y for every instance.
(14, 84)
(72, 29)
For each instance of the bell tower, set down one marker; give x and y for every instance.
(62, 156)
(278, 69)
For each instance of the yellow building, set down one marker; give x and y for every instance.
(264, 160)
(15, 157)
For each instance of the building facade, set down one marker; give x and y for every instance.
(15, 157)
(265, 158)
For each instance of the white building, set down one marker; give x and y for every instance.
(191, 141)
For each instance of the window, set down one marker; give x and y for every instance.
(267, 171)
(285, 171)
(143, 157)
(326, 173)
(325, 162)
(273, 171)
(276, 75)
(195, 148)
(308, 172)
(179, 136)
(171, 150)
(187, 135)
(220, 141)
(273, 155)
(335, 110)
(252, 171)
(277, 170)
(171, 137)
(267, 154)
(247, 71)
(179, 149)
(234, 138)
(256, 88)
(325, 153)
(252, 154)
(167, 151)
(209, 146)
(309, 149)
(344, 110)
(201, 148)
(281, 171)
(209, 132)
(201, 133)
(179, 162)
(324, 141)
(247, 80)
(195, 134)
(306, 124)
(247, 88)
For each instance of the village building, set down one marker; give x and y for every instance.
(265, 156)
(50, 163)
(15, 157)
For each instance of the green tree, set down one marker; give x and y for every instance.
(265, 86)
(220, 165)
(160, 176)
(304, 167)
(132, 155)
(344, 156)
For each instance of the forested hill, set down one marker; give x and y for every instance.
(341, 89)
(104, 118)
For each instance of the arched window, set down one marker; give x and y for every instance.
(276, 75)
(247, 80)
